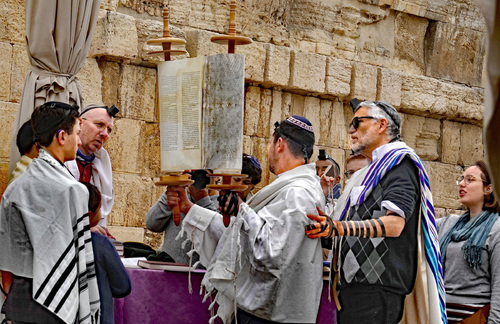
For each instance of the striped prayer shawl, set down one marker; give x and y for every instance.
(59, 257)
(376, 171)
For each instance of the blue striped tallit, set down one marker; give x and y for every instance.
(377, 171)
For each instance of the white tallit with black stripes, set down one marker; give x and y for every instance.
(44, 235)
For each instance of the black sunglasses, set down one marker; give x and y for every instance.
(357, 120)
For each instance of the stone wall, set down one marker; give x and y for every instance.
(310, 58)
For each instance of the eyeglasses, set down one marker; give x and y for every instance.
(357, 120)
(468, 179)
(348, 174)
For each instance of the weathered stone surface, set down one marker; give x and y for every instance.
(252, 107)
(127, 234)
(307, 71)
(469, 16)
(363, 82)
(423, 135)
(450, 142)
(276, 111)
(454, 53)
(91, 82)
(312, 106)
(12, 26)
(277, 70)
(137, 92)
(199, 44)
(109, 4)
(151, 147)
(110, 73)
(260, 152)
(325, 117)
(5, 70)
(409, 40)
(375, 44)
(431, 97)
(286, 105)
(266, 102)
(340, 118)
(115, 35)
(255, 61)
(4, 177)
(338, 77)
(297, 105)
(8, 112)
(154, 239)
(442, 10)
(20, 68)
(389, 86)
(247, 145)
(133, 195)
(152, 7)
(471, 144)
(125, 145)
(442, 179)
(152, 29)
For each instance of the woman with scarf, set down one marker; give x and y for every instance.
(470, 250)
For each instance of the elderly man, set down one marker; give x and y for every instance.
(92, 163)
(263, 253)
(381, 212)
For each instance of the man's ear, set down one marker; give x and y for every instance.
(280, 144)
(61, 136)
(383, 125)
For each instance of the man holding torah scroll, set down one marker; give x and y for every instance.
(262, 260)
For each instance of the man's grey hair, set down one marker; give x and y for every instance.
(381, 109)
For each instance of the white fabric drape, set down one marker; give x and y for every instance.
(58, 37)
(491, 122)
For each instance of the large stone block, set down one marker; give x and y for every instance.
(110, 73)
(152, 7)
(338, 77)
(427, 96)
(389, 86)
(423, 135)
(255, 61)
(469, 16)
(297, 104)
(199, 44)
(20, 68)
(12, 21)
(409, 40)
(340, 118)
(133, 198)
(286, 105)
(5, 70)
(364, 82)
(125, 145)
(266, 102)
(455, 54)
(152, 29)
(471, 144)
(443, 186)
(4, 177)
(312, 110)
(276, 112)
(308, 72)
(109, 4)
(450, 142)
(115, 35)
(442, 10)
(260, 152)
(252, 107)
(8, 112)
(277, 71)
(375, 44)
(91, 82)
(151, 147)
(127, 234)
(137, 92)
(322, 129)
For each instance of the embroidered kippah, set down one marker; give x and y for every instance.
(252, 160)
(301, 122)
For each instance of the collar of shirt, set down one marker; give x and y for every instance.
(382, 150)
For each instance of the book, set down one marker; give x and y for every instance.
(168, 266)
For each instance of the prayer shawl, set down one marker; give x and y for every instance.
(277, 268)
(102, 178)
(426, 304)
(21, 167)
(44, 235)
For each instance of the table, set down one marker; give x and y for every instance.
(162, 297)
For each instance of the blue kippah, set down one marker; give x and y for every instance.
(300, 121)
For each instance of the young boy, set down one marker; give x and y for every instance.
(112, 278)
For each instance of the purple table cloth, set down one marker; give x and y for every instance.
(162, 297)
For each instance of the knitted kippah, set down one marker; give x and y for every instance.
(301, 122)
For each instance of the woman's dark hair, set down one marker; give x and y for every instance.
(51, 117)
(25, 138)
(254, 172)
(300, 141)
(94, 196)
(490, 201)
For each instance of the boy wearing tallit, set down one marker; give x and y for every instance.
(389, 265)
(44, 229)
(262, 265)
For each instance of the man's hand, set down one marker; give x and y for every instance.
(177, 196)
(99, 230)
(196, 193)
(323, 226)
(327, 183)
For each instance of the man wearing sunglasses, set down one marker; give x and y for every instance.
(376, 225)
(92, 163)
